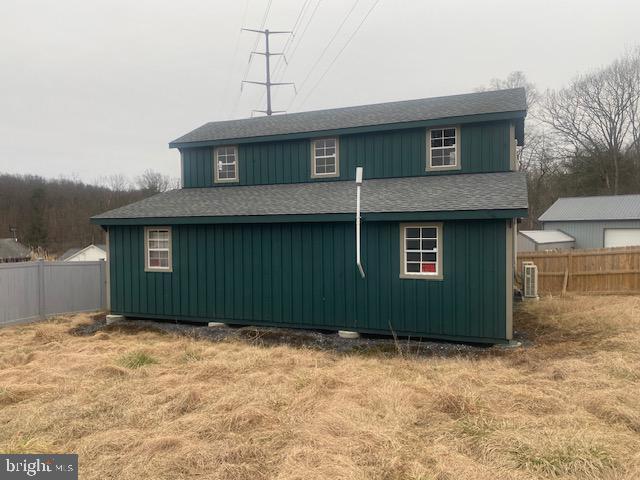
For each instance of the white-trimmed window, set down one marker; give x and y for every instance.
(157, 250)
(325, 160)
(421, 250)
(226, 164)
(443, 148)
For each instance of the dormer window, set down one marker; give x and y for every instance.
(443, 148)
(226, 164)
(324, 158)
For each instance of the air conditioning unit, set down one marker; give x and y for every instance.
(530, 280)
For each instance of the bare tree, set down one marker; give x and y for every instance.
(116, 182)
(596, 116)
(516, 79)
(156, 182)
(535, 140)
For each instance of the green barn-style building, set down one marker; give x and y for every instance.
(262, 231)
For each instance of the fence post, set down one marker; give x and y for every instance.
(569, 269)
(41, 299)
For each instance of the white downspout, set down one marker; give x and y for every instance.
(358, 185)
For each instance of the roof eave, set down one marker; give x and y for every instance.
(475, 118)
(486, 214)
(608, 219)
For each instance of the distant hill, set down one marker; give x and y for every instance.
(54, 214)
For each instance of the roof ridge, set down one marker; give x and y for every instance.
(396, 112)
(362, 105)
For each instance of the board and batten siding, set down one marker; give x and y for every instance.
(589, 234)
(304, 275)
(485, 147)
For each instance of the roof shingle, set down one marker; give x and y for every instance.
(498, 101)
(480, 191)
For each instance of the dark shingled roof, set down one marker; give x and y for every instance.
(9, 248)
(602, 207)
(480, 191)
(498, 101)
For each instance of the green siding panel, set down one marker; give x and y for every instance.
(399, 153)
(304, 275)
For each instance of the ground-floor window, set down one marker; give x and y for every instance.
(421, 250)
(157, 241)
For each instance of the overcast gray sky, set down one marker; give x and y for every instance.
(92, 88)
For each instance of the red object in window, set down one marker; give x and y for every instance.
(429, 268)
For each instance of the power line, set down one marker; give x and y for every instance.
(295, 49)
(294, 29)
(337, 56)
(335, 35)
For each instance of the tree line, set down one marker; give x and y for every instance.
(584, 138)
(53, 214)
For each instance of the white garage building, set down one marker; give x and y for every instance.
(596, 222)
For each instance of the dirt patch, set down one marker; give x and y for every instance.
(376, 345)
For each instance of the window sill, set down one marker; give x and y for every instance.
(317, 176)
(443, 169)
(158, 270)
(409, 276)
(235, 180)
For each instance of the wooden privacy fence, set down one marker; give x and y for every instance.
(598, 271)
(32, 290)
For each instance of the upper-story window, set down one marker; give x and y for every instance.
(325, 160)
(226, 164)
(443, 148)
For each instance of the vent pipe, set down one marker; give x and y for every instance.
(358, 185)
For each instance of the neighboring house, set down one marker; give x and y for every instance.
(263, 230)
(91, 253)
(596, 222)
(13, 251)
(542, 240)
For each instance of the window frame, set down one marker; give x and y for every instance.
(438, 274)
(147, 249)
(314, 173)
(216, 178)
(440, 168)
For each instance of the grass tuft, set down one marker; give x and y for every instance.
(136, 359)
(583, 461)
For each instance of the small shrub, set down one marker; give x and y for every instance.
(136, 360)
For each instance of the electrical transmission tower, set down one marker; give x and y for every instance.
(267, 55)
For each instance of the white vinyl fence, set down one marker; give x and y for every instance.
(32, 290)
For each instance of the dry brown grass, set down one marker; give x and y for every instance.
(151, 405)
